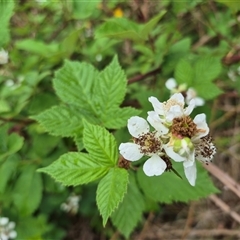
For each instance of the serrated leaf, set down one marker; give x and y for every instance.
(207, 90)
(119, 28)
(117, 117)
(147, 28)
(206, 69)
(169, 188)
(110, 87)
(184, 73)
(7, 168)
(100, 144)
(60, 121)
(27, 193)
(74, 82)
(110, 192)
(130, 210)
(74, 168)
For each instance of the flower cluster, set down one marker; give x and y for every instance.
(7, 229)
(176, 136)
(190, 93)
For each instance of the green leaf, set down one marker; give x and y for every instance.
(233, 5)
(119, 28)
(169, 188)
(74, 82)
(110, 87)
(100, 144)
(147, 28)
(38, 47)
(130, 210)
(7, 169)
(60, 121)
(207, 90)
(206, 69)
(110, 192)
(84, 9)
(7, 8)
(74, 168)
(27, 193)
(184, 73)
(9, 144)
(117, 117)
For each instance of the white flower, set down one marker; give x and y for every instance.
(145, 143)
(171, 109)
(72, 204)
(3, 57)
(197, 145)
(7, 229)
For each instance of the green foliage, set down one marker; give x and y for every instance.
(168, 187)
(27, 193)
(130, 210)
(110, 192)
(9, 144)
(6, 13)
(200, 75)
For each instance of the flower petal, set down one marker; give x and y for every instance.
(130, 151)
(157, 106)
(171, 84)
(188, 110)
(191, 174)
(176, 157)
(154, 166)
(200, 121)
(199, 101)
(137, 126)
(154, 119)
(177, 97)
(174, 112)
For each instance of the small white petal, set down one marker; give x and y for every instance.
(174, 112)
(200, 121)
(188, 110)
(130, 151)
(13, 234)
(11, 225)
(3, 221)
(176, 157)
(199, 101)
(137, 126)
(157, 106)
(3, 57)
(171, 84)
(154, 166)
(154, 119)
(177, 97)
(191, 173)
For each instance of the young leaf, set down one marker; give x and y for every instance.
(184, 73)
(60, 121)
(74, 168)
(147, 28)
(168, 187)
(27, 193)
(130, 210)
(110, 191)
(100, 144)
(74, 82)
